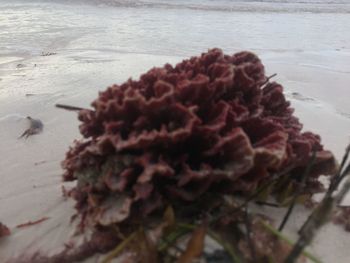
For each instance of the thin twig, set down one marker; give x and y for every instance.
(246, 201)
(225, 245)
(275, 177)
(252, 196)
(68, 107)
(171, 238)
(345, 173)
(298, 191)
(346, 187)
(288, 241)
(267, 204)
(268, 79)
(272, 76)
(249, 236)
(114, 253)
(337, 178)
(31, 223)
(171, 244)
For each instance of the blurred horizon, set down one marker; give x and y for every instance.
(283, 6)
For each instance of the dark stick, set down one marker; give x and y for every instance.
(267, 204)
(346, 171)
(346, 187)
(268, 79)
(272, 76)
(68, 107)
(298, 191)
(338, 177)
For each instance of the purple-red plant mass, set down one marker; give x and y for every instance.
(4, 230)
(212, 124)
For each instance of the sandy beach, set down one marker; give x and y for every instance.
(62, 52)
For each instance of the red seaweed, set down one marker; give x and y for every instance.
(4, 230)
(212, 124)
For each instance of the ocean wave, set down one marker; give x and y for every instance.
(275, 6)
(291, 6)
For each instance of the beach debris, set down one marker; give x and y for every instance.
(31, 223)
(4, 230)
(20, 65)
(46, 54)
(37, 94)
(35, 127)
(40, 162)
(298, 96)
(68, 107)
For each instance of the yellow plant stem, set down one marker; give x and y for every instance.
(115, 252)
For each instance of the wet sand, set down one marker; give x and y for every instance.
(97, 46)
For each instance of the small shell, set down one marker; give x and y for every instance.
(36, 126)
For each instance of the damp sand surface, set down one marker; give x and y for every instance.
(66, 51)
